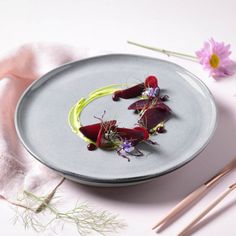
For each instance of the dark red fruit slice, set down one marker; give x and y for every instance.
(151, 82)
(162, 106)
(139, 105)
(136, 133)
(144, 130)
(102, 142)
(131, 92)
(92, 131)
(153, 117)
(145, 103)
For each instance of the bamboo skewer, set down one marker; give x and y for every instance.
(207, 210)
(196, 194)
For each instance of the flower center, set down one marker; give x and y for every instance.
(214, 61)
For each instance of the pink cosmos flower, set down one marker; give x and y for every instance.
(214, 57)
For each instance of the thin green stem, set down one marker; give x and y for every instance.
(40, 200)
(166, 52)
(49, 197)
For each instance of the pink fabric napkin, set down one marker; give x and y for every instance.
(18, 69)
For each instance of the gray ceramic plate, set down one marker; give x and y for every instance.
(41, 119)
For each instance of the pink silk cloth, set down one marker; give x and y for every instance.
(18, 69)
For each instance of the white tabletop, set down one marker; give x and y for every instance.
(105, 26)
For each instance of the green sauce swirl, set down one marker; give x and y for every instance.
(76, 110)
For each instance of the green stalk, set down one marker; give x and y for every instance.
(41, 201)
(166, 52)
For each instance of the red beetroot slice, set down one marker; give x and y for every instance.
(151, 82)
(136, 135)
(133, 134)
(139, 105)
(153, 117)
(162, 106)
(144, 130)
(92, 131)
(131, 92)
(102, 142)
(144, 103)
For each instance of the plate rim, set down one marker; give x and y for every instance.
(96, 181)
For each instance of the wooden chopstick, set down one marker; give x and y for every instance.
(195, 194)
(207, 209)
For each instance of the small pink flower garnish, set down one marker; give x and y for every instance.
(214, 56)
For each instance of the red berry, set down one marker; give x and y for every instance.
(151, 81)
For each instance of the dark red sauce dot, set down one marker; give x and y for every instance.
(161, 130)
(91, 147)
(115, 98)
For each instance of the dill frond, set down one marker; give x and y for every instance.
(84, 218)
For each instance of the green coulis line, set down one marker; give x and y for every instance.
(76, 110)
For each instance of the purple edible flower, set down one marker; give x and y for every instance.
(127, 146)
(152, 92)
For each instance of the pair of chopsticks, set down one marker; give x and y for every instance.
(208, 209)
(195, 195)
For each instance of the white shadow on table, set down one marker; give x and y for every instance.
(176, 185)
